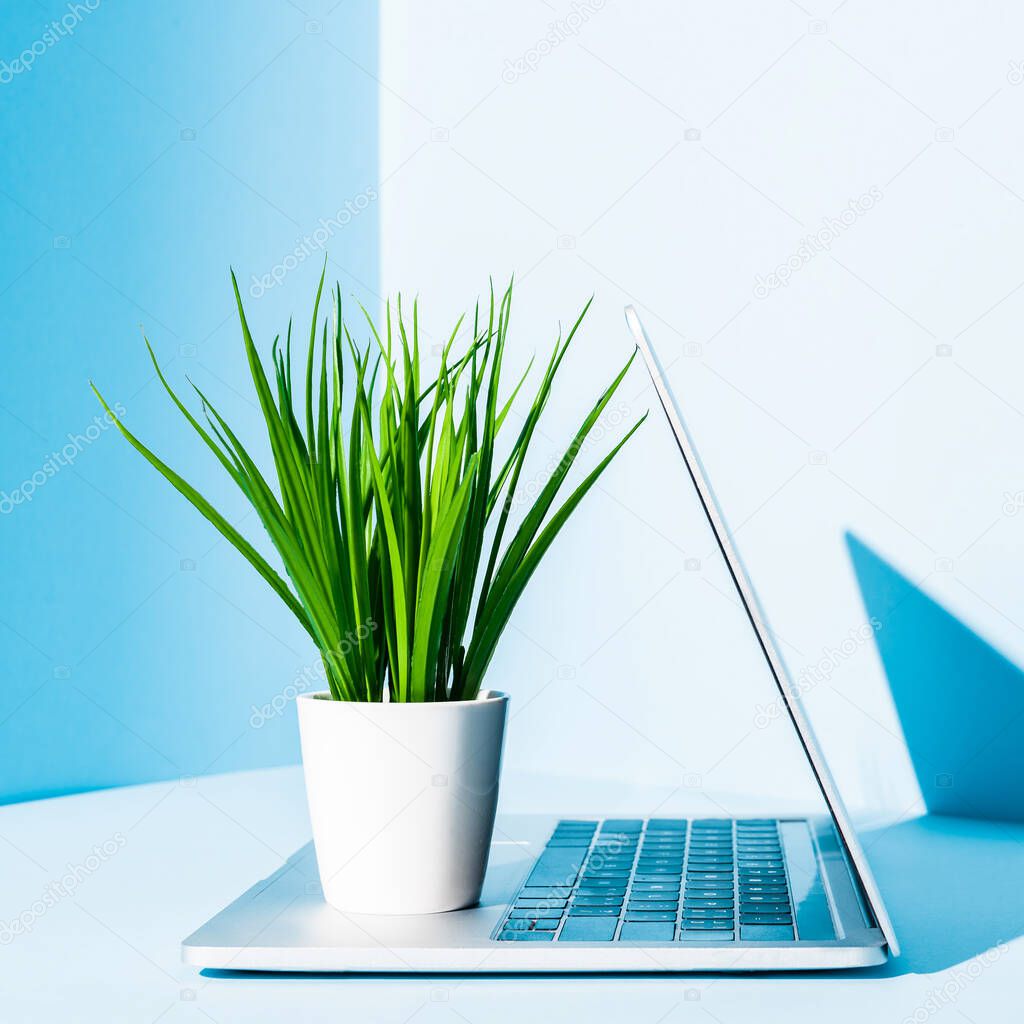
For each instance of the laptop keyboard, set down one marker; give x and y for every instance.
(659, 880)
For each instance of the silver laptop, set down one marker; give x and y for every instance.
(614, 894)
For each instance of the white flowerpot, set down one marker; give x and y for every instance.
(402, 799)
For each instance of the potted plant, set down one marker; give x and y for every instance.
(390, 511)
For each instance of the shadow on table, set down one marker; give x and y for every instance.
(952, 888)
(948, 880)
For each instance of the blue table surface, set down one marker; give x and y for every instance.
(105, 885)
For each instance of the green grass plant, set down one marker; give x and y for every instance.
(389, 505)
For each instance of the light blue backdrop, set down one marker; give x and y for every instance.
(145, 148)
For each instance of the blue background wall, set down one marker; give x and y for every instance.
(147, 147)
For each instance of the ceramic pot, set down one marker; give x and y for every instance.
(402, 799)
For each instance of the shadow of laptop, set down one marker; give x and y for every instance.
(960, 702)
(948, 877)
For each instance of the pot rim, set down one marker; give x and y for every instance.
(485, 698)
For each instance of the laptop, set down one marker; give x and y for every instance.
(587, 894)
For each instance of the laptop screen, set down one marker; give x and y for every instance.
(752, 609)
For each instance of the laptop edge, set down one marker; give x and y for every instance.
(752, 608)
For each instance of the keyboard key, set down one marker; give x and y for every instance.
(583, 911)
(707, 904)
(634, 915)
(547, 924)
(527, 936)
(765, 918)
(588, 929)
(544, 892)
(766, 933)
(552, 876)
(709, 912)
(597, 901)
(707, 924)
(641, 904)
(518, 925)
(647, 931)
(762, 898)
(700, 935)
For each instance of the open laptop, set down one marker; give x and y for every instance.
(600, 895)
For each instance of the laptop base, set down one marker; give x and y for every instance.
(283, 924)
